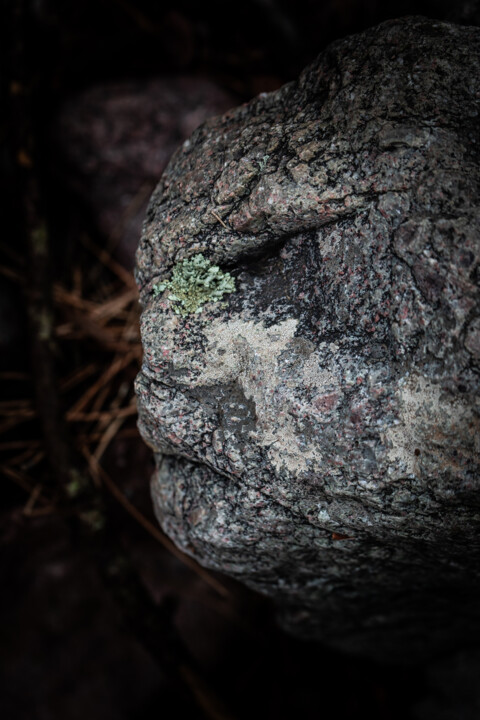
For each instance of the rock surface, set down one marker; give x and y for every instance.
(317, 432)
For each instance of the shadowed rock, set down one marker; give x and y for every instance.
(317, 430)
(117, 139)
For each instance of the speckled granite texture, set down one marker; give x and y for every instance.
(317, 434)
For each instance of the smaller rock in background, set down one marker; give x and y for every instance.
(453, 688)
(466, 12)
(118, 138)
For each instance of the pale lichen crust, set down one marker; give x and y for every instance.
(194, 282)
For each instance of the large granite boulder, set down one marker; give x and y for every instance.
(316, 428)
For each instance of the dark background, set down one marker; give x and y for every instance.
(73, 642)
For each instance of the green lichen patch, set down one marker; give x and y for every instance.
(194, 282)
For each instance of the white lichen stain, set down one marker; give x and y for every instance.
(320, 377)
(249, 353)
(428, 419)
